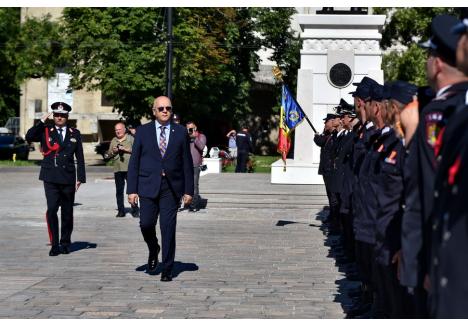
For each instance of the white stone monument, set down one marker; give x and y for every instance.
(337, 50)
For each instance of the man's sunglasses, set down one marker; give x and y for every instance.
(161, 108)
(61, 115)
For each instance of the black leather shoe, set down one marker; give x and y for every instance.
(135, 213)
(54, 251)
(64, 250)
(120, 214)
(359, 309)
(166, 277)
(153, 261)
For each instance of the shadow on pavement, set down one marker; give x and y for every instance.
(347, 285)
(179, 267)
(80, 245)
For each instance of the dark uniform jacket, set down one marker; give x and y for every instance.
(321, 140)
(328, 154)
(336, 175)
(59, 166)
(244, 142)
(347, 165)
(420, 180)
(449, 241)
(362, 198)
(388, 187)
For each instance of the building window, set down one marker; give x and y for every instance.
(105, 101)
(37, 106)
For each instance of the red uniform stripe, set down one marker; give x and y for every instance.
(48, 229)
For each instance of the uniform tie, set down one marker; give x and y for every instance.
(61, 134)
(162, 141)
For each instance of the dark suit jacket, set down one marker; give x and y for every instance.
(146, 164)
(59, 166)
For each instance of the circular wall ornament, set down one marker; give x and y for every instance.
(340, 75)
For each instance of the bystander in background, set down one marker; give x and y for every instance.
(119, 152)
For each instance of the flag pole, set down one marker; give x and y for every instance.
(279, 77)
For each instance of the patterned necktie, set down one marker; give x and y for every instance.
(61, 134)
(162, 141)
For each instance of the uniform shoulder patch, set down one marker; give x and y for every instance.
(433, 126)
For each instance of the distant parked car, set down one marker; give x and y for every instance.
(11, 144)
(102, 148)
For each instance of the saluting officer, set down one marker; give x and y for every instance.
(449, 239)
(60, 144)
(349, 121)
(389, 190)
(325, 142)
(335, 179)
(450, 86)
(366, 131)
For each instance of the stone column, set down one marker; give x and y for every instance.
(337, 50)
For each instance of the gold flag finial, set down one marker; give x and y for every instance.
(277, 73)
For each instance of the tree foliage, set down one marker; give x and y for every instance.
(9, 94)
(122, 52)
(405, 27)
(32, 49)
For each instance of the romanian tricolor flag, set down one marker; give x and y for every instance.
(291, 115)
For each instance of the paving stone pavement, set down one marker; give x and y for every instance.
(256, 251)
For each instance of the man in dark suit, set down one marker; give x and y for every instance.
(160, 173)
(59, 145)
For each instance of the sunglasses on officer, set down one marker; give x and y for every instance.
(161, 108)
(60, 115)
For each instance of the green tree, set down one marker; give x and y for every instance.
(406, 27)
(32, 49)
(122, 51)
(9, 94)
(37, 49)
(274, 24)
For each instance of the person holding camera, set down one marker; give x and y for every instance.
(120, 150)
(197, 144)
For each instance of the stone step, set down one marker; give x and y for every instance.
(266, 200)
(264, 205)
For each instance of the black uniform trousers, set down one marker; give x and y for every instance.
(59, 195)
(165, 205)
(393, 297)
(242, 158)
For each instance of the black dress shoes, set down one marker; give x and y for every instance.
(153, 260)
(54, 251)
(65, 250)
(166, 277)
(120, 214)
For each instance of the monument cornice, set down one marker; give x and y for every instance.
(321, 46)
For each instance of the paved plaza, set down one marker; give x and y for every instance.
(256, 251)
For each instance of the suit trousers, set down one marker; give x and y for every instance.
(165, 205)
(59, 195)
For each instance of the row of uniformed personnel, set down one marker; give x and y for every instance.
(395, 171)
